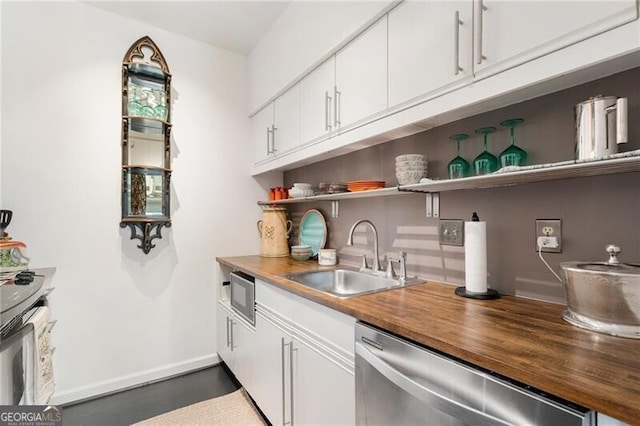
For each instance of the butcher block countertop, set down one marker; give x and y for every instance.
(522, 339)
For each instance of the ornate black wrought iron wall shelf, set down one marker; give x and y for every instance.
(146, 146)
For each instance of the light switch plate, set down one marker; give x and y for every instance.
(451, 232)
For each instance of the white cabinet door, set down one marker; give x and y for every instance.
(316, 101)
(430, 46)
(287, 121)
(222, 335)
(262, 125)
(237, 345)
(323, 392)
(361, 76)
(274, 372)
(508, 33)
(244, 345)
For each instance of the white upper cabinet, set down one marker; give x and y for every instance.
(430, 44)
(287, 121)
(316, 101)
(361, 76)
(276, 127)
(262, 126)
(509, 33)
(304, 32)
(426, 61)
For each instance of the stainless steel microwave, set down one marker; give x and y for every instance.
(243, 296)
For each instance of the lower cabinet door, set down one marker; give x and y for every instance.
(272, 379)
(297, 383)
(244, 353)
(323, 392)
(222, 335)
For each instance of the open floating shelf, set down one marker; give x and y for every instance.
(563, 170)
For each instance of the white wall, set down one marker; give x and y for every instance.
(303, 33)
(124, 317)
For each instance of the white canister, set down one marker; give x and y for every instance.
(327, 257)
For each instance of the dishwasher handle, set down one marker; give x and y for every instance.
(434, 399)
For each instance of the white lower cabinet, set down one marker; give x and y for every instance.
(323, 391)
(223, 335)
(299, 382)
(297, 363)
(237, 345)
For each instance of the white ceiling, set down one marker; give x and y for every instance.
(233, 25)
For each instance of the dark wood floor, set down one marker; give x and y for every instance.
(134, 405)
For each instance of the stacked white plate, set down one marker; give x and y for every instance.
(410, 168)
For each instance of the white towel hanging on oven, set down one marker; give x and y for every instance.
(43, 383)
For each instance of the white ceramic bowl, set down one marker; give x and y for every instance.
(407, 178)
(300, 193)
(296, 193)
(414, 160)
(410, 168)
(411, 163)
(302, 185)
(301, 256)
(411, 157)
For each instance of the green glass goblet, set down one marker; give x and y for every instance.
(458, 167)
(513, 155)
(485, 162)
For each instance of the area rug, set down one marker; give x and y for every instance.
(232, 409)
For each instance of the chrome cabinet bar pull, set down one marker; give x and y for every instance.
(227, 331)
(269, 132)
(327, 111)
(337, 95)
(291, 350)
(283, 344)
(456, 43)
(480, 8)
(273, 138)
(231, 323)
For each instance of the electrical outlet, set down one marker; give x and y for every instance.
(549, 228)
(451, 232)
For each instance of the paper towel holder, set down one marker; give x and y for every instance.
(490, 294)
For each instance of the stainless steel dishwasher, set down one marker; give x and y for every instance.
(401, 383)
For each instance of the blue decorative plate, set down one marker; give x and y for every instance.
(313, 231)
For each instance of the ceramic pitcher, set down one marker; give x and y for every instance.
(274, 231)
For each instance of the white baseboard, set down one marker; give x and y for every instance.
(132, 380)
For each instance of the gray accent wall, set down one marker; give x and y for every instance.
(595, 211)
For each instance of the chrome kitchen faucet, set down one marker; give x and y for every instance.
(401, 257)
(376, 254)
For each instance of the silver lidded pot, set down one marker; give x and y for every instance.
(603, 296)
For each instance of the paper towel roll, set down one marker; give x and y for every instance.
(475, 256)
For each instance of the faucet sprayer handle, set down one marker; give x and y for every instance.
(364, 265)
(391, 274)
(401, 258)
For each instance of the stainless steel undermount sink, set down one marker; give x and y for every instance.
(343, 283)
